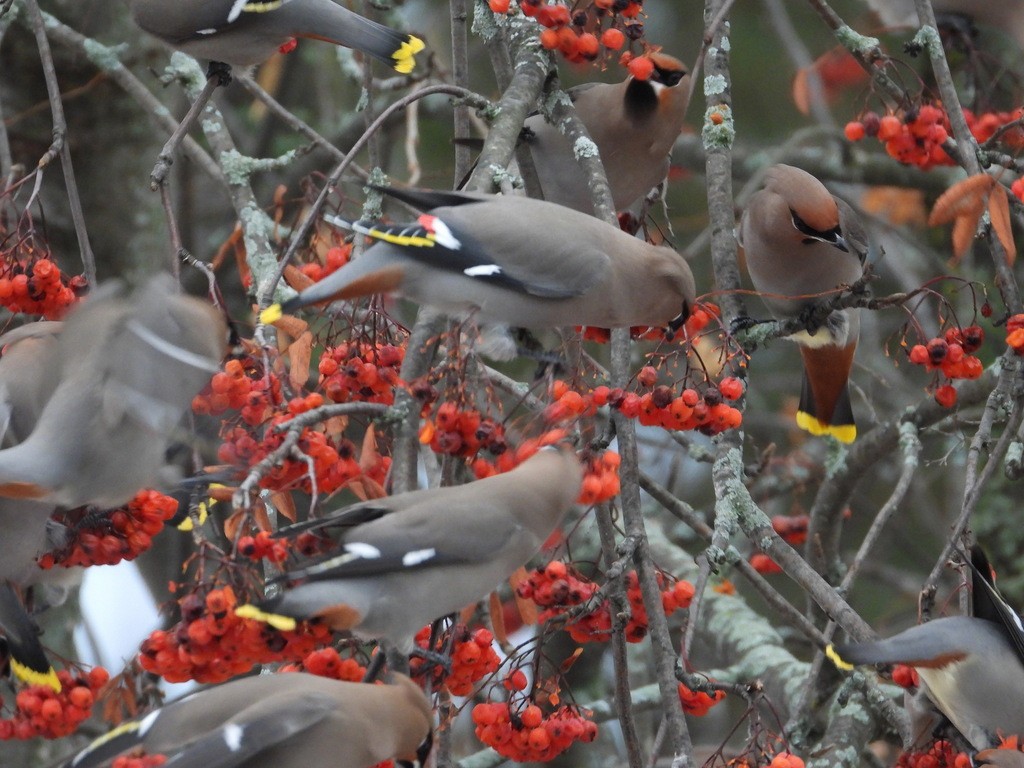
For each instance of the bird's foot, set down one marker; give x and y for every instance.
(221, 71)
(432, 659)
(744, 323)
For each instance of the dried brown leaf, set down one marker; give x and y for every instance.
(296, 278)
(284, 504)
(527, 608)
(964, 229)
(300, 352)
(999, 214)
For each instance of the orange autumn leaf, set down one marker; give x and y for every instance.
(567, 664)
(296, 278)
(366, 488)
(999, 215)
(897, 205)
(836, 69)
(497, 618)
(965, 198)
(964, 229)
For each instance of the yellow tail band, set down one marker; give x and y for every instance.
(844, 433)
(271, 314)
(282, 623)
(34, 677)
(835, 658)
(405, 56)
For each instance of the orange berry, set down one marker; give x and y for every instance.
(531, 716)
(641, 67)
(498, 6)
(854, 131)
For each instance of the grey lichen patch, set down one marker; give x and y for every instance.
(719, 131)
(374, 201)
(238, 168)
(257, 232)
(104, 57)
(715, 85)
(485, 21)
(928, 37)
(501, 175)
(835, 456)
(186, 69)
(725, 44)
(856, 42)
(584, 147)
(838, 756)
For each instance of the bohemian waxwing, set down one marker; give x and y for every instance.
(800, 243)
(527, 263)
(29, 370)
(129, 368)
(1000, 758)
(972, 667)
(634, 125)
(286, 720)
(414, 557)
(247, 32)
(1005, 16)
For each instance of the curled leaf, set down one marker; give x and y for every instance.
(999, 214)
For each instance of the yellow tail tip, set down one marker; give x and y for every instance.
(35, 677)
(844, 433)
(282, 623)
(835, 658)
(405, 57)
(271, 314)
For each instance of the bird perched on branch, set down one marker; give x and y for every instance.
(414, 557)
(128, 370)
(242, 33)
(513, 260)
(801, 245)
(287, 720)
(1005, 17)
(972, 667)
(634, 125)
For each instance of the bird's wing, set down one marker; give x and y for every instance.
(28, 659)
(989, 603)
(417, 541)
(429, 199)
(253, 732)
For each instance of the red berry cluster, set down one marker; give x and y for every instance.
(786, 760)
(556, 589)
(698, 703)
(508, 460)
(335, 258)
(663, 407)
(473, 658)
(263, 546)
(334, 465)
(38, 288)
(211, 644)
(577, 34)
(136, 760)
(941, 754)
(601, 479)
(40, 711)
(763, 564)
(905, 676)
(362, 372)
(1015, 333)
(121, 534)
(327, 662)
(529, 736)
(952, 356)
(915, 137)
(455, 432)
(240, 387)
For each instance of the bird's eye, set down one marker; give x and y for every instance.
(830, 236)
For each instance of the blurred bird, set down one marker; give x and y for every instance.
(287, 720)
(634, 125)
(242, 33)
(527, 263)
(1000, 758)
(129, 368)
(801, 242)
(1005, 16)
(972, 666)
(415, 557)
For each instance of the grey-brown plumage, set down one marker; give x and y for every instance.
(634, 124)
(514, 260)
(242, 33)
(414, 557)
(972, 667)
(1005, 17)
(286, 720)
(801, 244)
(129, 368)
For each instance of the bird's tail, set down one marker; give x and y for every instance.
(28, 659)
(825, 398)
(343, 27)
